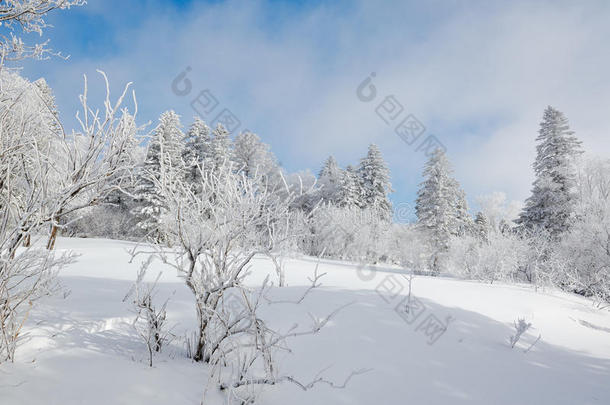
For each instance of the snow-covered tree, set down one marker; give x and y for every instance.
(39, 190)
(170, 140)
(504, 227)
(481, 226)
(584, 248)
(50, 114)
(349, 188)
(196, 150)
(498, 209)
(26, 16)
(329, 180)
(553, 201)
(375, 182)
(221, 152)
(113, 216)
(164, 150)
(350, 233)
(441, 206)
(253, 157)
(498, 257)
(216, 233)
(463, 220)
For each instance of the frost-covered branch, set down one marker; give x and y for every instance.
(23, 17)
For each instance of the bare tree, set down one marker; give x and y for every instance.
(45, 175)
(98, 160)
(244, 353)
(214, 234)
(520, 328)
(151, 321)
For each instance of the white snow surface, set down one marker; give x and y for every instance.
(81, 349)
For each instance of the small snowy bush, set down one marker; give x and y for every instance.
(520, 328)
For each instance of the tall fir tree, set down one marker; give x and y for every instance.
(196, 151)
(435, 199)
(441, 207)
(551, 207)
(463, 222)
(253, 157)
(329, 180)
(221, 153)
(481, 227)
(170, 140)
(164, 153)
(374, 179)
(49, 111)
(349, 190)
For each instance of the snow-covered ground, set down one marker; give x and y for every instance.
(82, 350)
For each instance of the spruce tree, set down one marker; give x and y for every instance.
(253, 157)
(504, 227)
(329, 179)
(463, 224)
(49, 111)
(164, 153)
(374, 179)
(551, 206)
(435, 200)
(170, 140)
(441, 207)
(196, 151)
(481, 226)
(220, 148)
(349, 189)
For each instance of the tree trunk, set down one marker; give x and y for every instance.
(52, 238)
(27, 242)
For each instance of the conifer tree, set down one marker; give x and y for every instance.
(374, 179)
(349, 189)
(253, 157)
(435, 200)
(481, 226)
(329, 179)
(220, 148)
(552, 204)
(196, 151)
(441, 207)
(164, 153)
(170, 140)
(463, 224)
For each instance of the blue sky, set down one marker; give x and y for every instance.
(477, 74)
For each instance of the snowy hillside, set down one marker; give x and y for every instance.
(82, 348)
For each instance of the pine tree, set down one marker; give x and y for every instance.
(252, 156)
(504, 227)
(551, 206)
(329, 180)
(220, 148)
(171, 140)
(49, 111)
(463, 221)
(481, 227)
(164, 153)
(441, 207)
(374, 177)
(435, 199)
(349, 190)
(196, 151)
(118, 198)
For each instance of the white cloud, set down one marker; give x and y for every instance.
(479, 76)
